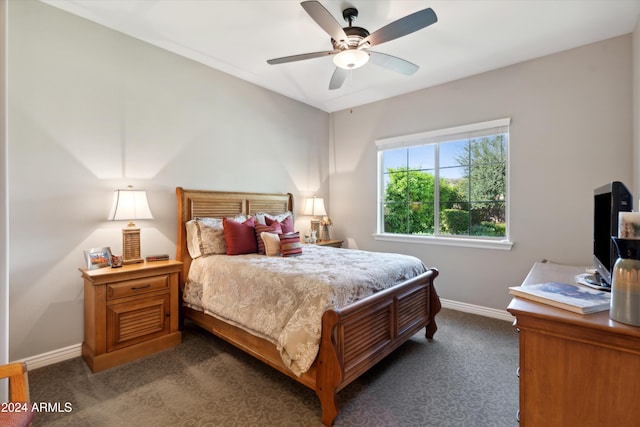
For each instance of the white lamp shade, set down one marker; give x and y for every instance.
(129, 205)
(314, 206)
(351, 58)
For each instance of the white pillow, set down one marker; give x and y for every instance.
(205, 236)
(271, 243)
(260, 217)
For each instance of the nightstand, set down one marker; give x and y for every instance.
(332, 243)
(130, 312)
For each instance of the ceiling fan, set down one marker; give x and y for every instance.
(351, 44)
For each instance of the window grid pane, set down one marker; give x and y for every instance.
(450, 188)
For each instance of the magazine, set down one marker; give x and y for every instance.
(572, 297)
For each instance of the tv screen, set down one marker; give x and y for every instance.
(608, 201)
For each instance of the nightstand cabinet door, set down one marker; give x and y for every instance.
(136, 321)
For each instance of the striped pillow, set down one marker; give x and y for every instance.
(260, 228)
(290, 244)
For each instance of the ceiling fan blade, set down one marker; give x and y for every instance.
(301, 57)
(326, 21)
(392, 63)
(339, 76)
(403, 26)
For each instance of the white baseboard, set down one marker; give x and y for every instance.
(477, 309)
(51, 357)
(75, 350)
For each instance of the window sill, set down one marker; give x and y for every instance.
(504, 245)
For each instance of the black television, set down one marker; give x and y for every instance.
(608, 201)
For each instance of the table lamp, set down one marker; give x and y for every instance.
(129, 205)
(314, 206)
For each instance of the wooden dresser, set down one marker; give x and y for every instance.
(130, 312)
(575, 370)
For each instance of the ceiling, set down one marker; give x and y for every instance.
(470, 37)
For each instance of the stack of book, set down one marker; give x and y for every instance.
(162, 257)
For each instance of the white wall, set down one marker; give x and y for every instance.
(571, 131)
(92, 110)
(4, 271)
(636, 109)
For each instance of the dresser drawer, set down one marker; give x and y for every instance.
(137, 286)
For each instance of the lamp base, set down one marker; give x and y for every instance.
(131, 246)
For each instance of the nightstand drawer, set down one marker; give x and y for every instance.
(137, 286)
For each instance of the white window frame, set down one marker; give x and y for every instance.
(431, 137)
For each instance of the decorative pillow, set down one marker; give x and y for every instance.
(193, 243)
(206, 229)
(286, 222)
(260, 228)
(261, 217)
(240, 238)
(271, 243)
(205, 236)
(290, 244)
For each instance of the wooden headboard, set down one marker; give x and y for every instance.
(219, 204)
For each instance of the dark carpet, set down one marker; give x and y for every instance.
(465, 376)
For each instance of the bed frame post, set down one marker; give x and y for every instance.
(435, 306)
(330, 370)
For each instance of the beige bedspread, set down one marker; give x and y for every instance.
(283, 299)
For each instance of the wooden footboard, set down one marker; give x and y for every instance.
(353, 338)
(360, 335)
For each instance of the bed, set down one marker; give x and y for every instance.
(352, 338)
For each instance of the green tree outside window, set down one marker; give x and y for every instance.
(471, 190)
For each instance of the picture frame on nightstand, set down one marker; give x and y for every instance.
(97, 257)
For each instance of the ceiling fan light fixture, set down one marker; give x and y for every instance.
(350, 59)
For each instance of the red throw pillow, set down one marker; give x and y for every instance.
(240, 238)
(259, 228)
(286, 224)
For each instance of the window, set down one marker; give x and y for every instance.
(449, 183)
